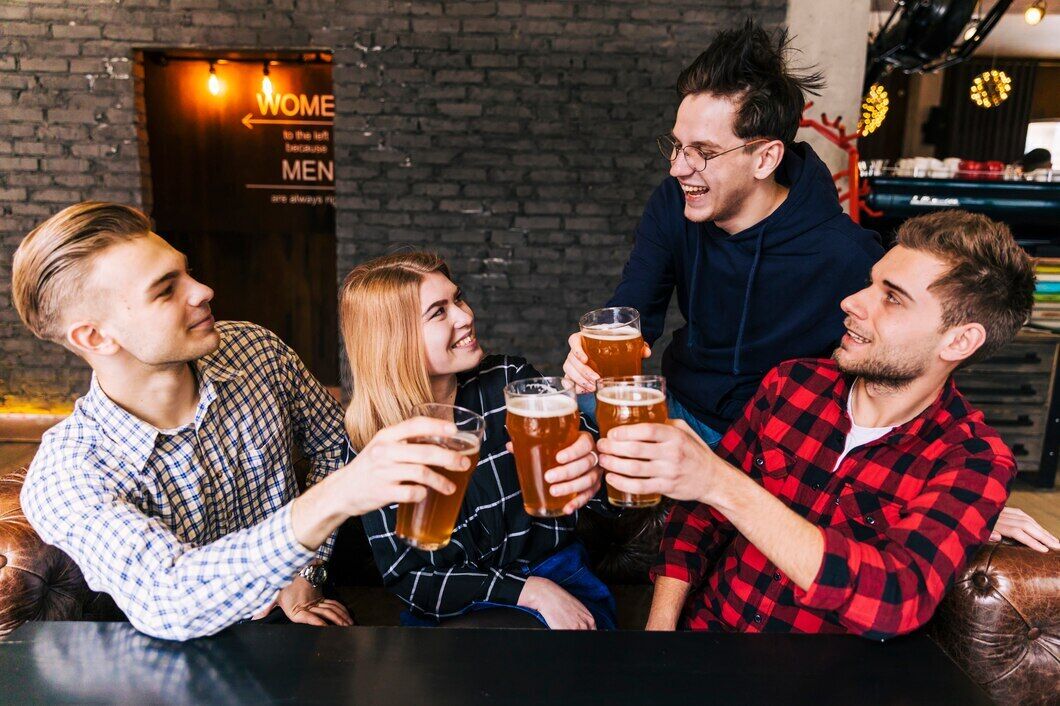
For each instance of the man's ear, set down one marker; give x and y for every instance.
(87, 338)
(962, 341)
(767, 158)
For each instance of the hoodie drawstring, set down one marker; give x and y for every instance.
(747, 302)
(693, 335)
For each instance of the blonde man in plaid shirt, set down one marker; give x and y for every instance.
(170, 484)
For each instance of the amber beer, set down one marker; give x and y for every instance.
(428, 524)
(612, 340)
(633, 399)
(542, 420)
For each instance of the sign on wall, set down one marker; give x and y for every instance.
(228, 152)
(243, 182)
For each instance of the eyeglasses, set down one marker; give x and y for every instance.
(694, 157)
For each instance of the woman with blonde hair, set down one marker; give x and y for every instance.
(410, 339)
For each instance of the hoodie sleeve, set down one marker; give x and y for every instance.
(649, 275)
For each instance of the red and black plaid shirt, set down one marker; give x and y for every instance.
(899, 517)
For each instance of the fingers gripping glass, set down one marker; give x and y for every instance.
(694, 157)
(428, 524)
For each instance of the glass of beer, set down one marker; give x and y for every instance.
(542, 420)
(633, 399)
(428, 524)
(612, 340)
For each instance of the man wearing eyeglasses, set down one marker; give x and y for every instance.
(747, 228)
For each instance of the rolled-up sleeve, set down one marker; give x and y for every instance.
(892, 585)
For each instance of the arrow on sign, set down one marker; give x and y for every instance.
(251, 121)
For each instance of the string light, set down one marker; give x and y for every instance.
(266, 82)
(990, 88)
(873, 110)
(1034, 13)
(214, 84)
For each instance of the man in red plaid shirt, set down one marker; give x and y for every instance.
(851, 490)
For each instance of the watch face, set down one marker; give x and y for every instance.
(315, 575)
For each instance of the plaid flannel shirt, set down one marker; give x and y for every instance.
(189, 529)
(899, 517)
(494, 540)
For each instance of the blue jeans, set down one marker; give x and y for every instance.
(587, 406)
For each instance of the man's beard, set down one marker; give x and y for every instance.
(892, 375)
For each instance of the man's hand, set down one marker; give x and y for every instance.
(577, 472)
(302, 603)
(577, 369)
(561, 610)
(1018, 525)
(388, 470)
(659, 458)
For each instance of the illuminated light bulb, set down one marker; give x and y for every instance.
(873, 110)
(214, 84)
(970, 32)
(266, 82)
(1035, 12)
(990, 88)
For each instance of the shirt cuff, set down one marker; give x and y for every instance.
(289, 554)
(839, 570)
(677, 565)
(506, 589)
(324, 552)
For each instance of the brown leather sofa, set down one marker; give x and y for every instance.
(1000, 622)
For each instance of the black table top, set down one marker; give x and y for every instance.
(90, 663)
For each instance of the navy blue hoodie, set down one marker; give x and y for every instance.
(752, 299)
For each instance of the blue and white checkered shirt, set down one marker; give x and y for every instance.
(189, 529)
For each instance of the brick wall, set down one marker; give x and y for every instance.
(514, 137)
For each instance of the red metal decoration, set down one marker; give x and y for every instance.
(835, 133)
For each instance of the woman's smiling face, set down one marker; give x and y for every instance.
(448, 326)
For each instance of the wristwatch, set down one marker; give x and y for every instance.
(315, 573)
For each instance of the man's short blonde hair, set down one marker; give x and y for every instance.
(50, 266)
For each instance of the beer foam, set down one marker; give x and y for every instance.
(621, 333)
(468, 438)
(630, 396)
(541, 406)
(463, 443)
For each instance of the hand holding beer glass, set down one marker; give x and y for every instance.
(608, 344)
(428, 524)
(542, 420)
(632, 399)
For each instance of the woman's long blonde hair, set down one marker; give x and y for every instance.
(379, 309)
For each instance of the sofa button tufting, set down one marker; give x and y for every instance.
(760, 461)
(1034, 633)
(981, 580)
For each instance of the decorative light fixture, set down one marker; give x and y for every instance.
(1035, 12)
(266, 82)
(873, 110)
(214, 84)
(990, 88)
